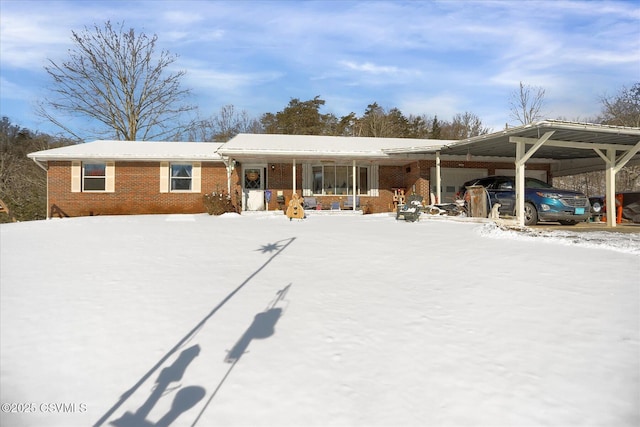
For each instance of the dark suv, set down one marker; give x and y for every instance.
(543, 202)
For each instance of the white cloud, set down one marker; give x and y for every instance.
(201, 77)
(368, 67)
(181, 17)
(28, 40)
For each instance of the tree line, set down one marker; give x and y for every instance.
(305, 118)
(23, 184)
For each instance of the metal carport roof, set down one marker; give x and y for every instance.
(569, 140)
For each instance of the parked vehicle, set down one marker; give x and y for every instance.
(543, 202)
(630, 205)
(597, 207)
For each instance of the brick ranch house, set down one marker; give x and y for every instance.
(123, 177)
(142, 177)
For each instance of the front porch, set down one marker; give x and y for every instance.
(270, 186)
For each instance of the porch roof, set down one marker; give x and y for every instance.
(274, 146)
(132, 150)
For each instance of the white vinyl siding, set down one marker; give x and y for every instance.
(452, 179)
(529, 173)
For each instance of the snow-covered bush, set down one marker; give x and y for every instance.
(218, 202)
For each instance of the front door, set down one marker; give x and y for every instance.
(253, 178)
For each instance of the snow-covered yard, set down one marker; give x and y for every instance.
(193, 320)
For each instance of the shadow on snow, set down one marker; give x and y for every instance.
(263, 326)
(184, 399)
(191, 395)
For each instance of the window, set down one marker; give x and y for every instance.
(336, 179)
(181, 177)
(253, 179)
(94, 176)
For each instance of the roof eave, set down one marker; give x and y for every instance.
(303, 154)
(49, 158)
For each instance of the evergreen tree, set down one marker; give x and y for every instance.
(300, 118)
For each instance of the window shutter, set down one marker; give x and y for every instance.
(76, 176)
(196, 177)
(110, 171)
(307, 180)
(375, 180)
(164, 177)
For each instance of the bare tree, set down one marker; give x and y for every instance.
(114, 77)
(223, 126)
(464, 126)
(526, 103)
(380, 123)
(622, 109)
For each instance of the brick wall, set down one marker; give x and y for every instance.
(137, 187)
(137, 191)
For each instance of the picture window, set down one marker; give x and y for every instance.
(338, 180)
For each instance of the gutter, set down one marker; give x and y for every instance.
(46, 171)
(121, 158)
(37, 162)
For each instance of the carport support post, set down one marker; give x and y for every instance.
(521, 159)
(610, 188)
(438, 184)
(520, 183)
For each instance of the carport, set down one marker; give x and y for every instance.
(573, 147)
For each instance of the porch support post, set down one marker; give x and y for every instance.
(294, 176)
(230, 166)
(438, 183)
(610, 188)
(355, 190)
(520, 183)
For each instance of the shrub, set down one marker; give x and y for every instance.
(218, 202)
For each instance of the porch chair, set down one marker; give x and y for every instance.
(410, 211)
(310, 203)
(348, 204)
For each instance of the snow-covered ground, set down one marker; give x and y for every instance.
(254, 320)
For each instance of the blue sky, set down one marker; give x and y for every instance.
(423, 57)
